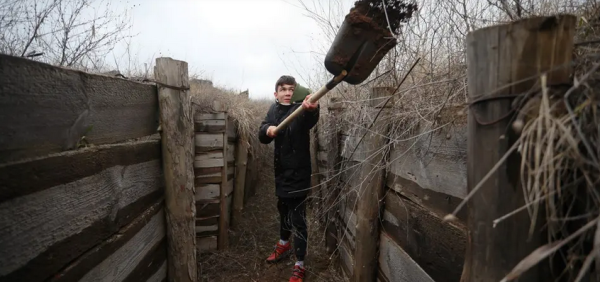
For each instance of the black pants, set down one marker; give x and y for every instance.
(292, 214)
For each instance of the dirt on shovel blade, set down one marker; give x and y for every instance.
(371, 20)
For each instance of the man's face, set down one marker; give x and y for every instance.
(284, 93)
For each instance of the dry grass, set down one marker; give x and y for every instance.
(558, 145)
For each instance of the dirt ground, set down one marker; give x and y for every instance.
(253, 240)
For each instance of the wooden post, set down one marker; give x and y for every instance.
(178, 156)
(330, 138)
(223, 241)
(369, 207)
(498, 58)
(241, 161)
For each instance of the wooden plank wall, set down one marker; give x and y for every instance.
(425, 180)
(214, 169)
(69, 213)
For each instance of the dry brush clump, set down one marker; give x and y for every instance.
(558, 145)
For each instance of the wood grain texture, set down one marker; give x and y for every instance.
(370, 194)
(27, 177)
(396, 265)
(439, 203)
(501, 60)
(346, 257)
(436, 246)
(209, 141)
(223, 241)
(90, 259)
(241, 162)
(207, 226)
(178, 155)
(208, 192)
(46, 109)
(160, 275)
(433, 161)
(210, 126)
(208, 208)
(88, 207)
(231, 130)
(209, 116)
(120, 264)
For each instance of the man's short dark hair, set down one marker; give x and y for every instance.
(285, 79)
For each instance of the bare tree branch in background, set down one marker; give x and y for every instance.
(73, 33)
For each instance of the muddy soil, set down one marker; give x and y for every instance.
(253, 240)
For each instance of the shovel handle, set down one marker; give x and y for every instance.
(313, 98)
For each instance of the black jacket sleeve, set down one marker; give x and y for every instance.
(262, 131)
(311, 118)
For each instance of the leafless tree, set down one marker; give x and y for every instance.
(73, 33)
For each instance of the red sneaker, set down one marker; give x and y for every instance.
(298, 274)
(281, 251)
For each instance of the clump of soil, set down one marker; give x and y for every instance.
(368, 21)
(382, 18)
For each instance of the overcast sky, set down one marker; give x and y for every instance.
(240, 44)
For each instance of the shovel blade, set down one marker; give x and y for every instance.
(357, 48)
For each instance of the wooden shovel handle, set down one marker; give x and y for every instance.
(313, 98)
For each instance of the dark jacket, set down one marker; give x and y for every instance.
(292, 149)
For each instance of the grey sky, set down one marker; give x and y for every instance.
(238, 44)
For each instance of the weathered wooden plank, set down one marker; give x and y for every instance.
(241, 161)
(230, 152)
(208, 155)
(348, 145)
(122, 262)
(209, 163)
(228, 188)
(160, 275)
(71, 218)
(434, 162)
(209, 116)
(150, 264)
(178, 152)
(208, 192)
(210, 126)
(346, 258)
(396, 265)
(46, 109)
(208, 208)
(436, 202)
(502, 60)
(209, 141)
(206, 244)
(77, 269)
(370, 191)
(436, 246)
(231, 130)
(27, 177)
(223, 239)
(207, 226)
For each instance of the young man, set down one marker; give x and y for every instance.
(292, 169)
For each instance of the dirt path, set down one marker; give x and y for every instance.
(254, 239)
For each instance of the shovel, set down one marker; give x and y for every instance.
(362, 41)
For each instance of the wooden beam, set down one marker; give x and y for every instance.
(241, 160)
(47, 109)
(370, 192)
(500, 61)
(223, 239)
(27, 177)
(178, 156)
(94, 257)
